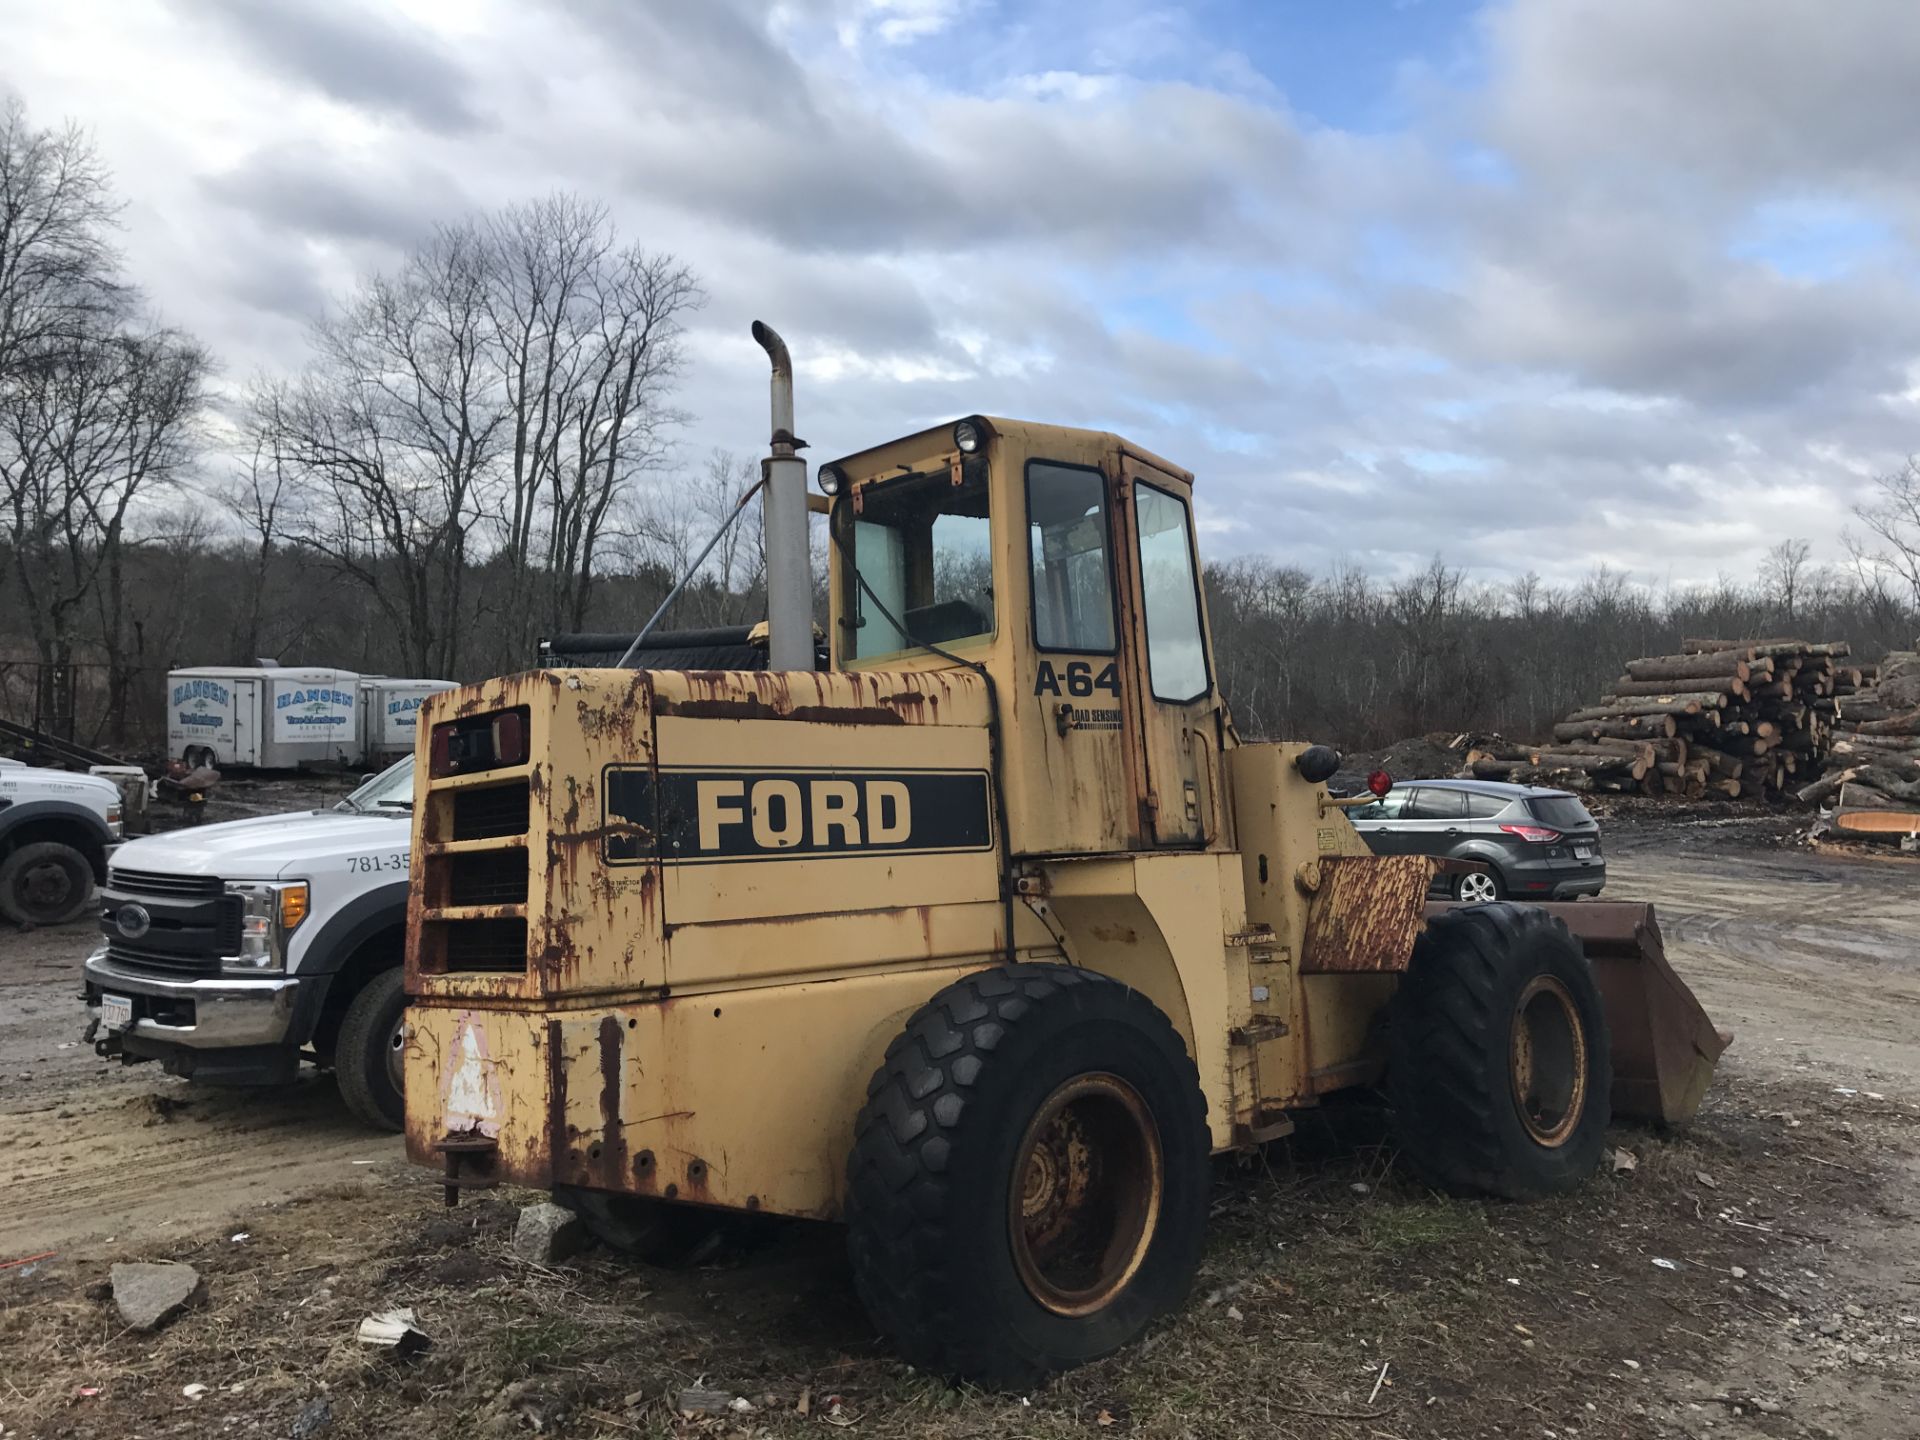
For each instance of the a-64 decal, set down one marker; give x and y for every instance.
(704, 814)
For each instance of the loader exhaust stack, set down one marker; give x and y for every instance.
(789, 581)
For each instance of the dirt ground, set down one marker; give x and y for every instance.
(1756, 1273)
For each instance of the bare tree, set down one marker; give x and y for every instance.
(89, 424)
(393, 429)
(471, 427)
(1784, 572)
(58, 270)
(1893, 518)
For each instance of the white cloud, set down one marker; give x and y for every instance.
(1111, 217)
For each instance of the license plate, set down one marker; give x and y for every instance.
(116, 1012)
(1583, 852)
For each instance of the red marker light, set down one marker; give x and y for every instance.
(1379, 782)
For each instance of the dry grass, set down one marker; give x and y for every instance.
(1323, 1265)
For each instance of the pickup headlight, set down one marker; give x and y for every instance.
(269, 912)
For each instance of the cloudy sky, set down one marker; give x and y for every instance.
(1534, 283)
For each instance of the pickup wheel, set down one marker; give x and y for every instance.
(1500, 1067)
(45, 883)
(1029, 1183)
(368, 1058)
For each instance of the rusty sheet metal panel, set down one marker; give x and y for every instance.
(1365, 913)
(745, 1100)
(850, 698)
(1664, 1045)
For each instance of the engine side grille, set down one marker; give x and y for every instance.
(491, 814)
(498, 945)
(487, 877)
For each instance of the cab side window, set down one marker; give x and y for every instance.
(1068, 558)
(1176, 650)
(1388, 807)
(1430, 804)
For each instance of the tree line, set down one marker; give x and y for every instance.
(479, 450)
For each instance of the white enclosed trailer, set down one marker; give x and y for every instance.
(268, 717)
(390, 713)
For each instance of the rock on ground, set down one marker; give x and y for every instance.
(149, 1295)
(547, 1233)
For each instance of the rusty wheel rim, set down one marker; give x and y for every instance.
(1085, 1194)
(1548, 1061)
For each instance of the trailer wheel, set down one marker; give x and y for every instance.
(1500, 1065)
(45, 883)
(1028, 1187)
(368, 1058)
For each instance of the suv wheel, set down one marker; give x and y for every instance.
(45, 883)
(1478, 887)
(368, 1059)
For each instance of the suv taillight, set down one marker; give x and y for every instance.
(1538, 834)
(479, 742)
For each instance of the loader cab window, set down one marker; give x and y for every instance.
(924, 546)
(1068, 557)
(1176, 648)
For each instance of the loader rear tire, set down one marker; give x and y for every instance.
(1028, 1187)
(1500, 1066)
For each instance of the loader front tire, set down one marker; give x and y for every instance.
(1028, 1187)
(1500, 1068)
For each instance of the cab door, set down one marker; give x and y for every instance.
(1087, 743)
(1179, 713)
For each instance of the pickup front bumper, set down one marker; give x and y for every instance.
(214, 1028)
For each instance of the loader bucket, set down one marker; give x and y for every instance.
(1664, 1046)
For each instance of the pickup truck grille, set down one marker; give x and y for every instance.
(175, 924)
(130, 956)
(155, 882)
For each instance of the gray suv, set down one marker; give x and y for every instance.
(1536, 844)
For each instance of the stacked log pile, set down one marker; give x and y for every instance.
(1723, 717)
(1872, 776)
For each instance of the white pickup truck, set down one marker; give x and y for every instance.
(55, 831)
(234, 951)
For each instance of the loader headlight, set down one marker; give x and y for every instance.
(966, 437)
(829, 480)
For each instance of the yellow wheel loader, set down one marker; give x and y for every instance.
(981, 940)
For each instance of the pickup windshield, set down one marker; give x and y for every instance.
(390, 792)
(923, 545)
